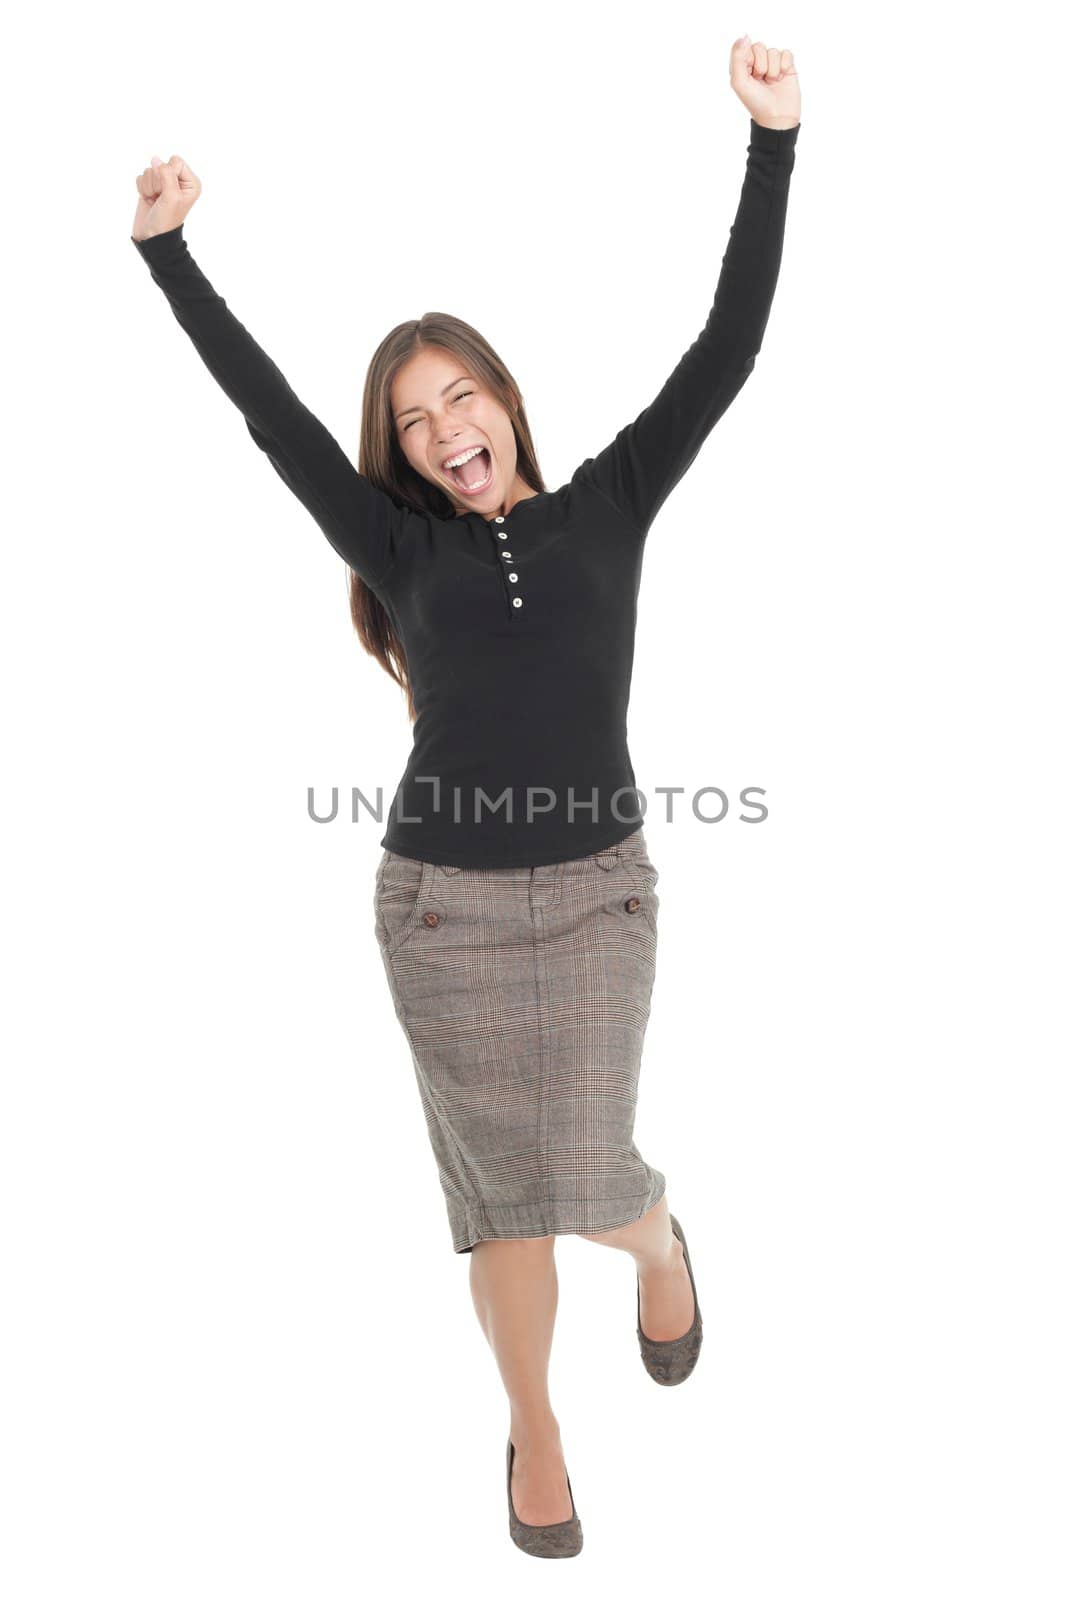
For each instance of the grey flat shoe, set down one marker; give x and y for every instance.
(670, 1361)
(551, 1539)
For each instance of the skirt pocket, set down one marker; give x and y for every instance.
(643, 877)
(397, 900)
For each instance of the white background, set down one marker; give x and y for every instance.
(239, 1354)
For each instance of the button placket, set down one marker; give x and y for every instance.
(506, 559)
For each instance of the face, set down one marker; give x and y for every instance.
(440, 410)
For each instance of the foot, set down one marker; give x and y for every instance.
(667, 1307)
(539, 1490)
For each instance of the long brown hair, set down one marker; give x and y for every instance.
(383, 463)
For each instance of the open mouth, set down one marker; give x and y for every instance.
(473, 475)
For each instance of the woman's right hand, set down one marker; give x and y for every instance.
(167, 192)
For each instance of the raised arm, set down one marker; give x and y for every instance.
(645, 461)
(360, 520)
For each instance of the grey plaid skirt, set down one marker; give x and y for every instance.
(524, 993)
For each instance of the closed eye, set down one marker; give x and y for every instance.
(461, 396)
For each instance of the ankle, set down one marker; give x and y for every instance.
(535, 1435)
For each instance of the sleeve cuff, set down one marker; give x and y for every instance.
(772, 138)
(161, 247)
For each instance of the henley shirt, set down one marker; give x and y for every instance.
(519, 630)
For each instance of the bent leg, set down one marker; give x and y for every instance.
(666, 1294)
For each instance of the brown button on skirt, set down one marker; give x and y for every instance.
(524, 993)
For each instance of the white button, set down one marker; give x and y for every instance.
(498, 519)
(516, 601)
(501, 534)
(513, 577)
(505, 555)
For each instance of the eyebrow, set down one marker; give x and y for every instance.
(466, 378)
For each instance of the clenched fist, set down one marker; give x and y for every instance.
(168, 191)
(765, 80)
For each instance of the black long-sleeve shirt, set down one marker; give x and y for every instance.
(519, 631)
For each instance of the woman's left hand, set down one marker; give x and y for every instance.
(765, 81)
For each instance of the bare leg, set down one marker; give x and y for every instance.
(667, 1307)
(515, 1291)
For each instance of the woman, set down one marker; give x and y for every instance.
(515, 903)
